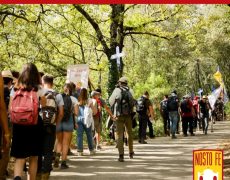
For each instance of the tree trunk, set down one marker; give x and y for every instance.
(198, 73)
(116, 39)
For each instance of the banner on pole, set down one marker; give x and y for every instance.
(218, 78)
(214, 96)
(78, 74)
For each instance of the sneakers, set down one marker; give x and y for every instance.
(70, 153)
(92, 153)
(192, 134)
(185, 135)
(17, 178)
(143, 142)
(121, 158)
(131, 155)
(64, 165)
(98, 147)
(80, 153)
(57, 159)
(174, 137)
(152, 137)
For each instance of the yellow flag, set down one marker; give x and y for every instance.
(218, 77)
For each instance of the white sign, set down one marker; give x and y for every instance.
(117, 56)
(78, 74)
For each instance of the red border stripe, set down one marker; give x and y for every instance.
(115, 2)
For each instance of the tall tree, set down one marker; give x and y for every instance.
(118, 32)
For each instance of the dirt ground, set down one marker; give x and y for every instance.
(162, 158)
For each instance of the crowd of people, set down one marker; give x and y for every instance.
(194, 112)
(37, 122)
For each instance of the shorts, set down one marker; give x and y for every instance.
(97, 124)
(65, 126)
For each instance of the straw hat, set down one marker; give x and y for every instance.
(8, 74)
(205, 97)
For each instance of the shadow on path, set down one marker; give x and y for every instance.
(162, 158)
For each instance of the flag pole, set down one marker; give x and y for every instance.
(223, 103)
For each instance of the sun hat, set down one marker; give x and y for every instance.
(8, 74)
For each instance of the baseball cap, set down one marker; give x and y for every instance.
(123, 80)
(93, 93)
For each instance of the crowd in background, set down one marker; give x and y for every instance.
(37, 122)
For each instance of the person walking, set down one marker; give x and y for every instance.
(84, 121)
(204, 113)
(27, 139)
(187, 114)
(122, 102)
(165, 115)
(8, 84)
(144, 108)
(100, 103)
(219, 109)
(172, 107)
(51, 114)
(65, 127)
(4, 130)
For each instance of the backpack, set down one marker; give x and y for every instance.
(141, 105)
(50, 110)
(88, 117)
(185, 107)
(67, 107)
(164, 106)
(126, 102)
(24, 108)
(172, 104)
(96, 104)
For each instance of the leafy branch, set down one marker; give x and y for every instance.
(130, 28)
(95, 26)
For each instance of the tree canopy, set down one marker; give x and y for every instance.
(166, 46)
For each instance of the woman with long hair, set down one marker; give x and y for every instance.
(27, 139)
(65, 127)
(83, 103)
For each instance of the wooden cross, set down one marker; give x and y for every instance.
(117, 56)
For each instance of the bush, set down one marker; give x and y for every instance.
(227, 110)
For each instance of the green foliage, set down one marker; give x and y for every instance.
(227, 109)
(166, 46)
(156, 85)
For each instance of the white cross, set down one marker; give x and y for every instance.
(117, 56)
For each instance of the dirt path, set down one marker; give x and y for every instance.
(161, 158)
